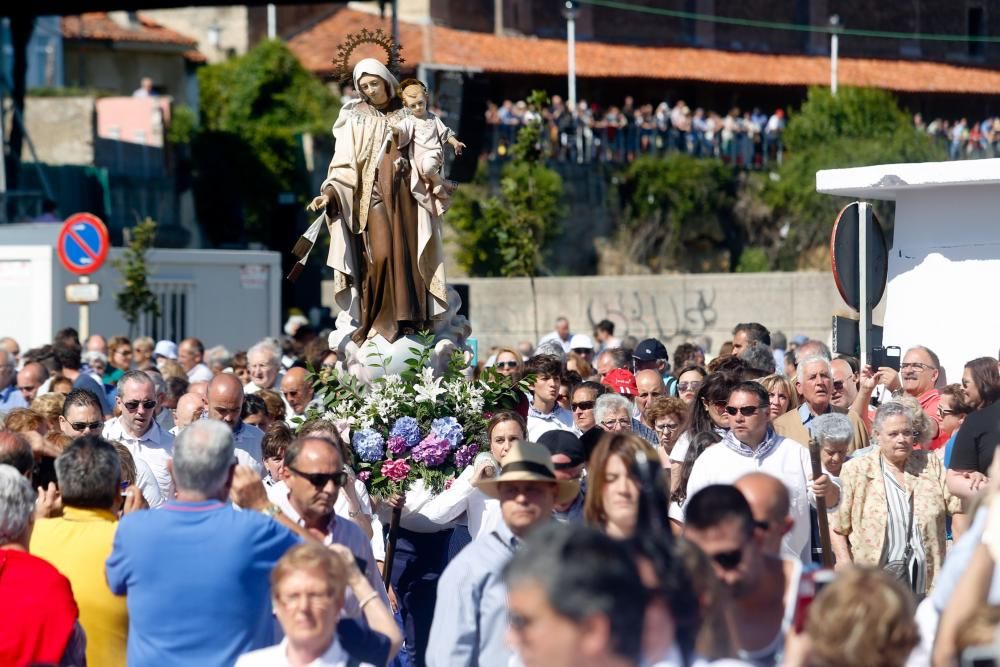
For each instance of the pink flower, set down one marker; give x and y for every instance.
(396, 470)
(447, 484)
(397, 445)
(364, 476)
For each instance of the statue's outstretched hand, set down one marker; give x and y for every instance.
(327, 200)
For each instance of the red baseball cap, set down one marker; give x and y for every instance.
(621, 381)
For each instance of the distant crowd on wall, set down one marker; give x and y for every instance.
(592, 133)
(964, 140)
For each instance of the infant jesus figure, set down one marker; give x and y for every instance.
(427, 134)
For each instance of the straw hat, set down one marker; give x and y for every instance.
(529, 462)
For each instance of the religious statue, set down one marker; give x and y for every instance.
(382, 201)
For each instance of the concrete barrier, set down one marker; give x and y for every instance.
(672, 308)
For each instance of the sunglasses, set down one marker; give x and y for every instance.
(746, 410)
(689, 386)
(729, 560)
(320, 479)
(582, 405)
(132, 406)
(85, 426)
(506, 364)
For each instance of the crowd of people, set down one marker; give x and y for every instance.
(964, 140)
(591, 133)
(773, 504)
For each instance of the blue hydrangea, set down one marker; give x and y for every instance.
(408, 429)
(369, 445)
(448, 428)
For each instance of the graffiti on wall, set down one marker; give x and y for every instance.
(646, 314)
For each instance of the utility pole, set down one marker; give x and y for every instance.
(834, 51)
(569, 12)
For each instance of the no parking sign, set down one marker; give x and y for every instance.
(83, 243)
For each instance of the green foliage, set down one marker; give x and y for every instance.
(505, 233)
(857, 127)
(183, 123)
(753, 260)
(254, 110)
(677, 210)
(135, 297)
(70, 91)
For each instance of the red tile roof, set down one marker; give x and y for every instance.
(437, 45)
(100, 26)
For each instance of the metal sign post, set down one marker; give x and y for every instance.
(864, 274)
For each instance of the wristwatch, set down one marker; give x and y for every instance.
(353, 514)
(271, 510)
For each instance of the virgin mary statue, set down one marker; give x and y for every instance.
(385, 250)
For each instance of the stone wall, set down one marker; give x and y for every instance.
(63, 129)
(672, 308)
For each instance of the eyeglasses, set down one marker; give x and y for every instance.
(321, 479)
(666, 428)
(85, 426)
(746, 410)
(506, 364)
(616, 422)
(132, 406)
(838, 385)
(310, 599)
(689, 386)
(720, 406)
(944, 413)
(582, 405)
(915, 365)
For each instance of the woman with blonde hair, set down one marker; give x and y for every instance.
(613, 487)
(508, 362)
(50, 407)
(781, 394)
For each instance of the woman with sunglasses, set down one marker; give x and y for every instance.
(613, 488)
(509, 363)
(708, 415)
(689, 381)
(119, 359)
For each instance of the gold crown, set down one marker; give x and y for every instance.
(342, 66)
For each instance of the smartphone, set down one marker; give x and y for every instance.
(887, 357)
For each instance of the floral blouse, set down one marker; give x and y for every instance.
(863, 512)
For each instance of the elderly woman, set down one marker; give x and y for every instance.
(894, 501)
(308, 587)
(781, 394)
(613, 412)
(833, 432)
(668, 417)
(612, 501)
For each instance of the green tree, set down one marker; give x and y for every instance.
(254, 111)
(506, 233)
(135, 297)
(677, 213)
(856, 127)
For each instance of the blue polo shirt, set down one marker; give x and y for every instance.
(196, 580)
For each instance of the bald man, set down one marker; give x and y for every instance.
(199, 388)
(225, 404)
(30, 378)
(650, 385)
(297, 391)
(189, 408)
(769, 501)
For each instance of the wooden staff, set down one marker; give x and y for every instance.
(824, 526)
(390, 547)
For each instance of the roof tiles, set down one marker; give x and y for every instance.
(100, 26)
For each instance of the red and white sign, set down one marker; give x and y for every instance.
(83, 244)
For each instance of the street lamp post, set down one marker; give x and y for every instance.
(834, 51)
(569, 11)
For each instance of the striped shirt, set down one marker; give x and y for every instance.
(900, 509)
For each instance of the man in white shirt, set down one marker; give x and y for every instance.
(313, 475)
(138, 430)
(225, 403)
(751, 445)
(561, 334)
(264, 363)
(190, 355)
(544, 413)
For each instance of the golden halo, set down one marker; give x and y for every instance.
(342, 67)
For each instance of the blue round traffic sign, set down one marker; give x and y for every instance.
(83, 243)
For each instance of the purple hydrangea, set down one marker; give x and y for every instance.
(408, 429)
(465, 455)
(432, 451)
(364, 476)
(368, 444)
(396, 445)
(448, 428)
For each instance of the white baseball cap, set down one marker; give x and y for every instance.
(581, 342)
(165, 348)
